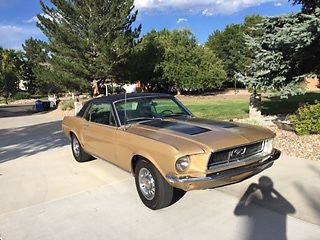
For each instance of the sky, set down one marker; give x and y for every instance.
(203, 17)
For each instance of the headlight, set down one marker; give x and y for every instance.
(268, 146)
(183, 163)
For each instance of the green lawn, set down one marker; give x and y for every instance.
(238, 108)
(276, 105)
(222, 109)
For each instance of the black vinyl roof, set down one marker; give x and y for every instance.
(117, 97)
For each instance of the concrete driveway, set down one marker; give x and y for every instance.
(45, 194)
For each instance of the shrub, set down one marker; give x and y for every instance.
(21, 95)
(307, 119)
(67, 105)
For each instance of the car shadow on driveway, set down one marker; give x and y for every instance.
(30, 140)
(17, 110)
(264, 224)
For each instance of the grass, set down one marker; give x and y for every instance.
(40, 97)
(239, 108)
(218, 108)
(222, 109)
(11, 99)
(276, 105)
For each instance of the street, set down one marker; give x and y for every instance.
(16, 110)
(46, 194)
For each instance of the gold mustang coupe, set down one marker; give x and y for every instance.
(168, 150)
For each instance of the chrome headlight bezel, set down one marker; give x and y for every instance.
(268, 146)
(183, 163)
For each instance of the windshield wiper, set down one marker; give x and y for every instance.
(141, 119)
(177, 115)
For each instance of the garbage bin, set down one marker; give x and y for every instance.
(46, 105)
(39, 106)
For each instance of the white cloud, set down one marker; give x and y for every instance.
(13, 36)
(181, 20)
(206, 7)
(32, 20)
(278, 4)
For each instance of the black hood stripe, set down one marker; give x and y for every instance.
(177, 127)
(212, 123)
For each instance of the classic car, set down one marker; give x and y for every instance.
(167, 149)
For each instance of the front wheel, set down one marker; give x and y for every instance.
(78, 152)
(153, 189)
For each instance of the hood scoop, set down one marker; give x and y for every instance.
(213, 123)
(177, 127)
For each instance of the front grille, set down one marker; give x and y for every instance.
(235, 154)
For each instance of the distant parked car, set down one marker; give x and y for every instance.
(167, 149)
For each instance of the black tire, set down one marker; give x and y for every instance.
(80, 155)
(163, 194)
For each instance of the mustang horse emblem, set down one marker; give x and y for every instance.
(238, 152)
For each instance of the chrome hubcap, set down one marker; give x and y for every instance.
(147, 184)
(76, 147)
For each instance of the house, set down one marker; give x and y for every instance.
(312, 84)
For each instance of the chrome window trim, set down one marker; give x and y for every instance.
(154, 97)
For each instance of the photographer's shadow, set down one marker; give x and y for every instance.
(256, 203)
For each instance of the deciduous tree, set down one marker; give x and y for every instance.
(230, 47)
(11, 66)
(174, 58)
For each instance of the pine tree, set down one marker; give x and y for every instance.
(288, 51)
(88, 40)
(38, 71)
(308, 6)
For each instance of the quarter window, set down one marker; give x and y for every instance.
(102, 114)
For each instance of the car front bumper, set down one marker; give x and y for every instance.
(223, 178)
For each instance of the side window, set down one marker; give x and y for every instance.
(86, 114)
(102, 114)
(112, 120)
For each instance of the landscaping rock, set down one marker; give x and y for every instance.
(291, 144)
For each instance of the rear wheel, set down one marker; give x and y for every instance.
(153, 189)
(78, 153)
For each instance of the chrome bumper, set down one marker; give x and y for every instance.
(226, 177)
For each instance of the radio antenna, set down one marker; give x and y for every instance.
(125, 110)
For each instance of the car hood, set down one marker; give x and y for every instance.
(196, 135)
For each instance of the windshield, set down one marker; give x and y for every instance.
(143, 109)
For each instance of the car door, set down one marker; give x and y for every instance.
(99, 131)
